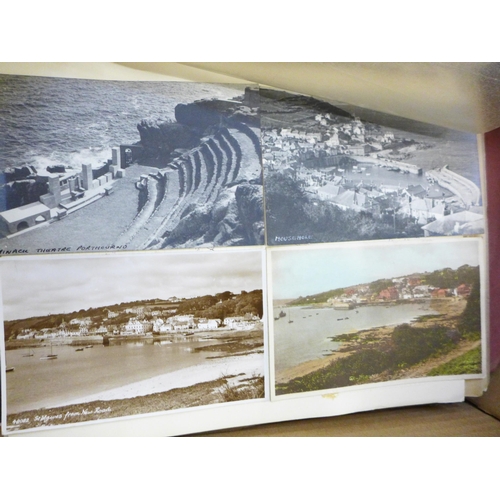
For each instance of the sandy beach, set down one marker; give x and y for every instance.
(249, 366)
(375, 335)
(228, 379)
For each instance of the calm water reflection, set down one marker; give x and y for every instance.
(38, 383)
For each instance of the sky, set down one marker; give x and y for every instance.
(62, 284)
(307, 270)
(36, 286)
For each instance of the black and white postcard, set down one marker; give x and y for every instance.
(342, 173)
(88, 165)
(98, 336)
(349, 315)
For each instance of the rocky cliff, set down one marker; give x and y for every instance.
(160, 139)
(208, 189)
(163, 140)
(23, 192)
(216, 112)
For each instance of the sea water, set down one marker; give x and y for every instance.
(311, 334)
(61, 121)
(37, 383)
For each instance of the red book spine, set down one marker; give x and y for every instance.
(492, 152)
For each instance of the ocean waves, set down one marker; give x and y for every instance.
(46, 121)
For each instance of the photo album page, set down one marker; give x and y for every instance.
(203, 255)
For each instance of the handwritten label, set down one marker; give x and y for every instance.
(19, 421)
(47, 419)
(82, 248)
(284, 239)
(14, 251)
(85, 412)
(53, 250)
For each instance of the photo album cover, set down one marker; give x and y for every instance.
(172, 247)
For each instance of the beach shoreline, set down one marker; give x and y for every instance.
(249, 365)
(202, 386)
(201, 394)
(235, 371)
(447, 309)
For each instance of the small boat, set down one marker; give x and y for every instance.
(89, 346)
(79, 349)
(9, 369)
(49, 356)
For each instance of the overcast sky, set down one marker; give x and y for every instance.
(33, 287)
(309, 270)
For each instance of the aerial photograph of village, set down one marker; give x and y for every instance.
(343, 173)
(89, 337)
(89, 165)
(345, 315)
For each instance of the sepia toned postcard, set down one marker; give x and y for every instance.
(348, 315)
(89, 165)
(106, 336)
(334, 172)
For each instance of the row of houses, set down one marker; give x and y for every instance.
(318, 149)
(437, 216)
(136, 326)
(189, 322)
(60, 332)
(407, 290)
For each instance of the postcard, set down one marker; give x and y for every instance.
(349, 315)
(334, 172)
(105, 336)
(89, 165)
